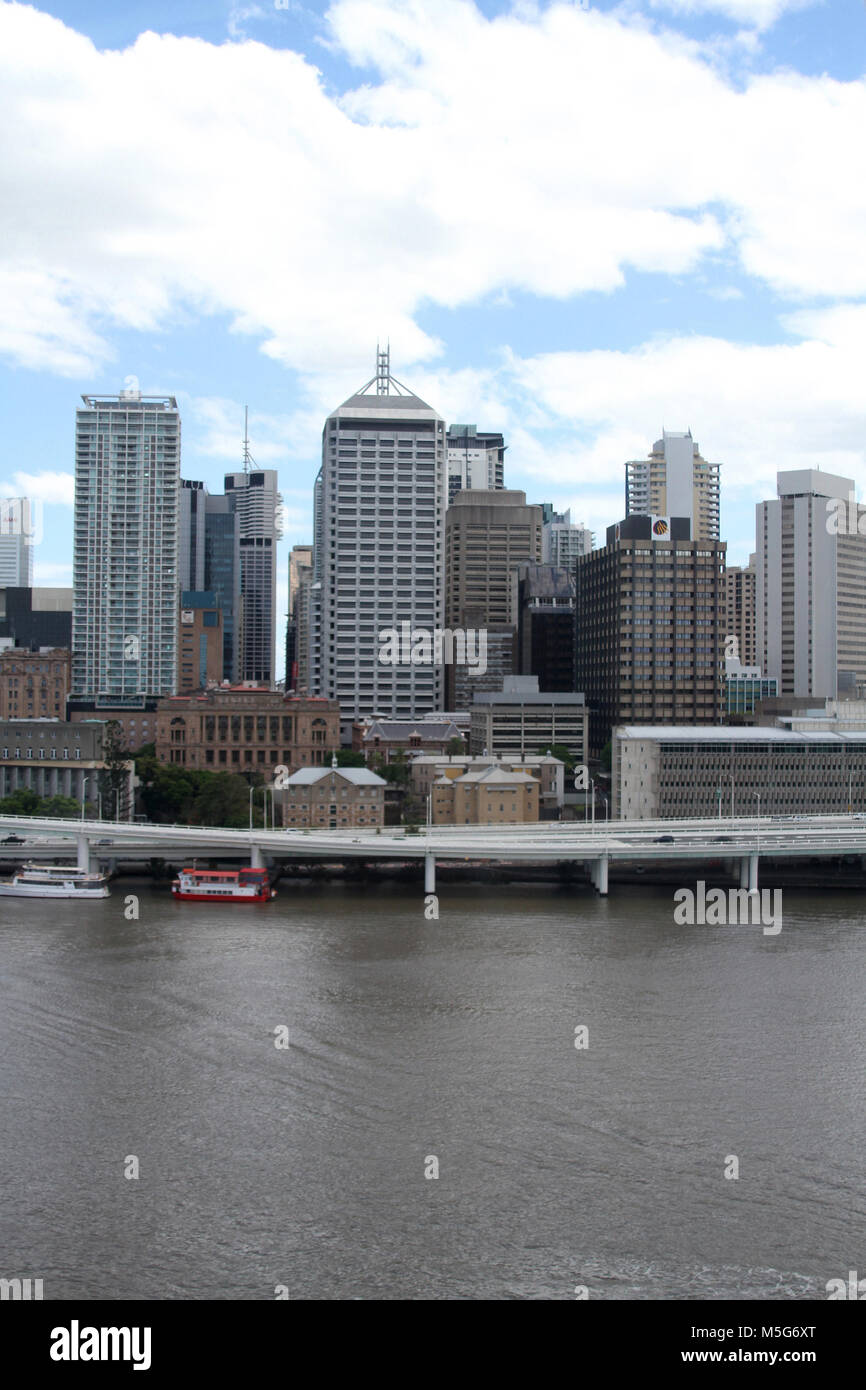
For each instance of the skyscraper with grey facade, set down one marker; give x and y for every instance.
(125, 562)
(253, 496)
(379, 515)
(210, 560)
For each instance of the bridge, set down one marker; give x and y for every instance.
(741, 841)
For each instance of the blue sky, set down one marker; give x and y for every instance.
(575, 223)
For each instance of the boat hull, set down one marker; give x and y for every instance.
(223, 897)
(49, 890)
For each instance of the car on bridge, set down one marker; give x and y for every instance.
(14, 840)
(663, 840)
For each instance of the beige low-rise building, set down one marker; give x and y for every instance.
(333, 797)
(548, 771)
(485, 796)
(246, 729)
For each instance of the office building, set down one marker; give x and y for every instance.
(649, 610)
(379, 512)
(746, 687)
(562, 540)
(210, 562)
(545, 625)
(297, 626)
(125, 565)
(53, 758)
(35, 618)
(474, 461)
(520, 720)
(254, 498)
(487, 534)
(34, 684)
(740, 612)
(674, 480)
(811, 584)
(19, 517)
(199, 641)
(670, 772)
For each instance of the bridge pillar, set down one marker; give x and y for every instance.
(753, 873)
(744, 872)
(256, 860)
(83, 853)
(599, 875)
(429, 873)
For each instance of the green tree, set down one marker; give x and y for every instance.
(606, 756)
(114, 777)
(347, 758)
(559, 750)
(456, 747)
(63, 807)
(22, 802)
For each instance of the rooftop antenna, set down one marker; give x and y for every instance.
(249, 461)
(383, 369)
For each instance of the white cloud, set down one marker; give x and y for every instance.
(760, 14)
(480, 157)
(58, 488)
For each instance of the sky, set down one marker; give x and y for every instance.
(576, 223)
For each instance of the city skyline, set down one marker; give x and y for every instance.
(689, 296)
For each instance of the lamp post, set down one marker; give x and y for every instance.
(84, 782)
(252, 789)
(850, 775)
(731, 775)
(604, 799)
(758, 796)
(592, 793)
(719, 795)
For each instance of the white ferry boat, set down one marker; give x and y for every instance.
(54, 881)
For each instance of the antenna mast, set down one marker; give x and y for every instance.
(249, 461)
(383, 369)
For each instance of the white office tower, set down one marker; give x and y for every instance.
(379, 510)
(563, 540)
(254, 496)
(811, 584)
(476, 462)
(18, 519)
(125, 564)
(674, 480)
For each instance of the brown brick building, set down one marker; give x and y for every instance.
(246, 729)
(332, 797)
(34, 685)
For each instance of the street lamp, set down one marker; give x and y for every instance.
(604, 799)
(719, 795)
(592, 793)
(84, 782)
(758, 796)
(850, 775)
(252, 789)
(731, 775)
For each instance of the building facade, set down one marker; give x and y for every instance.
(660, 773)
(125, 565)
(18, 534)
(485, 796)
(386, 738)
(297, 627)
(746, 687)
(379, 513)
(674, 480)
(253, 496)
(199, 641)
(561, 539)
(474, 461)
(36, 618)
(811, 584)
(54, 758)
(333, 798)
(520, 720)
(247, 730)
(741, 613)
(649, 614)
(548, 772)
(34, 685)
(545, 625)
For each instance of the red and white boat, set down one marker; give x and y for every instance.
(223, 886)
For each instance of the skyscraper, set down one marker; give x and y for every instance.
(811, 584)
(562, 540)
(125, 566)
(487, 534)
(300, 574)
(379, 507)
(17, 536)
(210, 561)
(474, 460)
(674, 480)
(740, 616)
(254, 496)
(648, 627)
